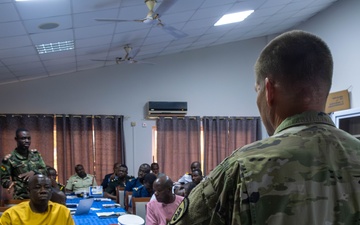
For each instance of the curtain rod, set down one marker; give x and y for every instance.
(215, 117)
(58, 115)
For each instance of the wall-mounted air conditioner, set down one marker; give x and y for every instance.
(155, 109)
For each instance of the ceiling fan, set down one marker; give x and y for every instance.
(128, 58)
(153, 17)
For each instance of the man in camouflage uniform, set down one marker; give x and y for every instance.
(307, 172)
(21, 164)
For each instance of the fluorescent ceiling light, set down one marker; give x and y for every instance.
(55, 47)
(233, 17)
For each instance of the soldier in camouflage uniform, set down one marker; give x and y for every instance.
(307, 172)
(21, 164)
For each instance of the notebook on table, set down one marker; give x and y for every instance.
(83, 207)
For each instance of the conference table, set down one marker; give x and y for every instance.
(100, 205)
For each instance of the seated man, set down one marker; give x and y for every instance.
(110, 176)
(186, 178)
(39, 210)
(145, 190)
(196, 176)
(58, 190)
(155, 169)
(184, 189)
(137, 182)
(161, 211)
(188, 188)
(120, 179)
(80, 181)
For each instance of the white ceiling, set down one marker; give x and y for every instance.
(20, 32)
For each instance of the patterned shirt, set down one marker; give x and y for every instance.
(15, 164)
(308, 172)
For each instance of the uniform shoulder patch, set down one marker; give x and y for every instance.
(137, 188)
(3, 168)
(180, 211)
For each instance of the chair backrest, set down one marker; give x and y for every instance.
(139, 206)
(128, 197)
(120, 195)
(3, 209)
(12, 202)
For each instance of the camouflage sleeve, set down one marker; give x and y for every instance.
(40, 167)
(5, 173)
(211, 201)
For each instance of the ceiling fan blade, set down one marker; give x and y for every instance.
(134, 52)
(173, 31)
(118, 20)
(133, 61)
(164, 6)
(103, 60)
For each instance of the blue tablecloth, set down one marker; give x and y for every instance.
(92, 218)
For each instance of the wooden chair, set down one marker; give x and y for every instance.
(128, 197)
(120, 195)
(139, 206)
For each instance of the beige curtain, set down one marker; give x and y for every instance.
(96, 142)
(74, 145)
(222, 135)
(178, 144)
(109, 144)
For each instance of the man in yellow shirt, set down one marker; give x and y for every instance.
(39, 210)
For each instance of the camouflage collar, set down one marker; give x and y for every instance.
(19, 156)
(309, 117)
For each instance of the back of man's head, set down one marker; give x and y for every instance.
(150, 178)
(298, 61)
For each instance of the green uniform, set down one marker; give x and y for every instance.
(308, 172)
(15, 164)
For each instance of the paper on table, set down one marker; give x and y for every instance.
(115, 205)
(109, 214)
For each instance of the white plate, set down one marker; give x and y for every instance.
(129, 219)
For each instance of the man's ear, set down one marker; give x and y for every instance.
(269, 91)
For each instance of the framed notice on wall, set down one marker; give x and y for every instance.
(337, 101)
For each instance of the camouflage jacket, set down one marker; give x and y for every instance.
(308, 172)
(15, 164)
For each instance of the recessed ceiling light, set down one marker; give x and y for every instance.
(55, 47)
(233, 17)
(48, 26)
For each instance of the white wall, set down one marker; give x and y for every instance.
(339, 27)
(215, 81)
